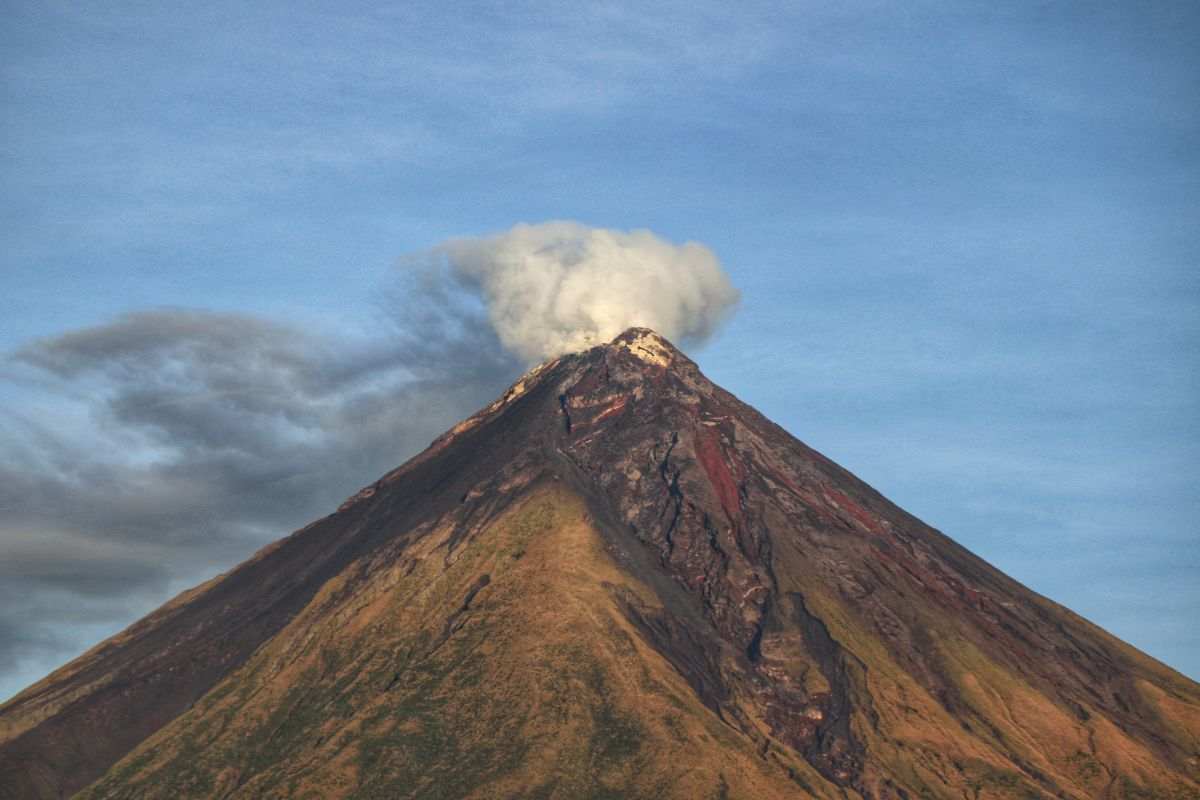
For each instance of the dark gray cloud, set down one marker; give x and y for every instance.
(166, 445)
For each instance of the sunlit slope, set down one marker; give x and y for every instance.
(498, 666)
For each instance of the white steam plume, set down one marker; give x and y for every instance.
(560, 287)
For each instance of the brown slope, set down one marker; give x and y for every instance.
(501, 667)
(839, 637)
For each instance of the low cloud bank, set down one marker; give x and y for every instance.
(149, 453)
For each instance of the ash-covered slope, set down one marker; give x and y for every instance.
(617, 580)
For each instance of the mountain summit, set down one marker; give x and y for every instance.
(617, 580)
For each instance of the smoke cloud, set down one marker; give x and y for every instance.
(559, 287)
(145, 454)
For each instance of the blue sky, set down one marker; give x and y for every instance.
(965, 235)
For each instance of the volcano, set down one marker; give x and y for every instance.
(615, 581)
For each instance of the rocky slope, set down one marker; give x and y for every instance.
(615, 581)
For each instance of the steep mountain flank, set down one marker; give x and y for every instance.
(615, 581)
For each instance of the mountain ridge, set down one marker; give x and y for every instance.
(848, 648)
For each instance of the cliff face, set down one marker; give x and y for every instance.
(616, 580)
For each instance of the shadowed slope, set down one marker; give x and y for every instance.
(617, 578)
